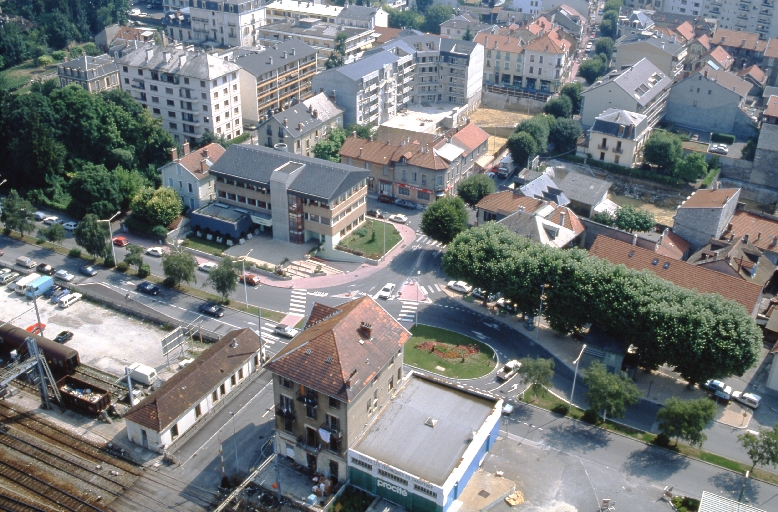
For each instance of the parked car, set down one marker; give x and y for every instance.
(211, 308)
(403, 203)
(4, 271)
(503, 173)
(9, 278)
(287, 331)
(694, 137)
(133, 12)
(508, 370)
(721, 149)
(507, 408)
(44, 268)
(120, 241)
(479, 294)
(64, 337)
(383, 198)
(460, 286)
(39, 215)
(52, 220)
(507, 306)
(88, 270)
(70, 226)
(490, 174)
(208, 266)
(249, 279)
(720, 389)
(399, 218)
(386, 291)
(155, 251)
(64, 275)
(68, 300)
(51, 291)
(59, 295)
(148, 288)
(749, 399)
(378, 214)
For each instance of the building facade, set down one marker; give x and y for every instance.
(302, 126)
(94, 74)
(225, 23)
(665, 53)
(188, 174)
(705, 215)
(191, 92)
(618, 137)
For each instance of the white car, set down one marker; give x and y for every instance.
(40, 215)
(460, 286)
(386, 291)
(52, 220)
(507, 408)
(748, 399)
(133, 12)
(287, 331)
(70, 226)
(155, 251)
(64, 275)
(509, 370)
(208, 266)
(398, 218)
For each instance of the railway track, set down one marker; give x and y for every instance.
(102, 380)
(12, 504)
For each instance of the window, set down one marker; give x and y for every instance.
(174, 431)
(334, 403)
(153, 88)
(173, 126)
(423, 195)
(190, 188)
(170, 103)
(392, 476)
(391, 383)
(186, 80)
(168, 90)
(363, 464)
(223, 389)
(198, 411)
(215, 396)
(286, 383)
(170, 182)
(156, 111)
(233, 380)
(171, 114)
(403, 191)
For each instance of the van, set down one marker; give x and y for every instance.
(21, 284)
(69, 299)
(25, 262)
(39, 287)
(143, 374)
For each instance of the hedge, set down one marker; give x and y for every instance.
(723, 137)
(627, 171)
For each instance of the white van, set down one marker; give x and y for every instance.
(70, 299)
(143, 374)
(21, 284)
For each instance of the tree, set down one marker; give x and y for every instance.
(45, 60)
(223, 278)
(434, 16)
(94, 191)
(179, 266)
(473, 189)
(560, 107)
(686, 419)
(573, 91)
(338, 54)
(134, 256)
(17, 213)
(536, 372)
(156, 207)
(468, 35)
(604, 45)
(329, 148)
(691, 168)
(363, 131)
(761, 449)
(410, 18)
(91, 234)
(54, 233)
(592, 69)
(523, 148)
(749, 150)
(608, 393)
(444, 219)
(633, 219)
(663, 149)
(539, 127)
(564, 135)
(58, 55)
(91, 49)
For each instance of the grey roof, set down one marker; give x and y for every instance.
(301, 113)
(399, 44)
(91, 67)
(318, 178)
(768, 137)
(258, 63)
(399, 436)
(642, 80)
(639, 16)
(584, 189)
(543, 187)
(167, 59)
(770, 91)
(619, 123)
(661, 41)
(463, 21)
(358, 12)
(313, 28)
(368, 64)
(442, 43)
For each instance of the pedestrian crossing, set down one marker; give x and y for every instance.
(408, 312)
(430, 289)
(297, 302)
(424, 240)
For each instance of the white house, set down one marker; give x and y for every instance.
(188, 175)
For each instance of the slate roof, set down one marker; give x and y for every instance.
(768, 137)
(709, 198)
(302, 113)
(739, 39)
(96, 66)
(619, 123)
(544, 225)
(442, 43)
(678, 272)
(664, 43)
(470, 138)
(508, 202)
(543, 187)
(314, 28)
(367, 64)
(337, 357)
(584, 189)
(318, 178)
(196, 64)
(740, 255)
(258, 63)
(193, 383)
(642, 81)
(358, 12)
(724, 78)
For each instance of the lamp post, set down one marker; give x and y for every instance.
(540, 311)
(110, 235)
(245, 283)
(234, 441)
(575, 375)
(259, 309)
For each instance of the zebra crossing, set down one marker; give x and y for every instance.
(408, 312)
(424, 240)
(297, 302)
(430, 289)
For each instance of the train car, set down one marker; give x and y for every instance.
(62, 360)
(83, 397)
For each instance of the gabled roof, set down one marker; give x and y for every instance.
(470, 138)
(386, 34)
(771, 109)
(686, 30)
(619, 123)
(709, 198)
(680, 273)
(741, 256)
(704, 40)
(771, 50)
(724, 78)
(358, 12)
(762, 229)
(550, 224)
(419, 151)
(739, 39)
(199, 161)
(337, 355)
(642, 81)
(584, 189)
(182, 391)
(274, 57)
(753, 72)
(549, 44)
(168, 59)
(569, 10)
(543, 187)
(508, 202)
(505, 43)
(300, 118)
(721, 57)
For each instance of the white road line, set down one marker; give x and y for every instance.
(423, 290)
(298, 301)
(437, 288)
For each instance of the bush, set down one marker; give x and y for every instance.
(562, 409)
(169, 282)
(109, 262)
(590, 416)
(159, 231)
(723, 137)
(40, 240)
(684, 504)
(627, 171)
(45, 60)
(144, 270)
(75, 252)
(122, 266)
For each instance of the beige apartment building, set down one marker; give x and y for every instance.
(94, 74)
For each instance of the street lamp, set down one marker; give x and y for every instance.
(110, 234)
(235, 442)
(575, 375)
(540, 311)
(245, 283)
(259, 309)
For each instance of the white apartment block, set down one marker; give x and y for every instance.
(192, 92)
(227, 23)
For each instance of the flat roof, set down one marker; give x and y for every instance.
(423, 118)
(400, 437)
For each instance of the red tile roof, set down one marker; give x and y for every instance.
(771, 50)
(673, 246)
(704, 40)
(762, 229)
(772, 107)
(722, 57)
(549, 43)
(754, 72)
(709, 198)
(506, 43)
(199, 161)
(678, 272)
(686, 30)
(739, 39)
(470, 138)
(508, 202)
(336, 355)
(386, 33)
(419, 151)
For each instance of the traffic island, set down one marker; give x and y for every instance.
(448, 353)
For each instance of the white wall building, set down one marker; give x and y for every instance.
(188, 174)
(227, 23)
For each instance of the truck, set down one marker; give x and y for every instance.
(21, 284)
(39, 286)
(83, 397)
(142, 374)
(509, 370)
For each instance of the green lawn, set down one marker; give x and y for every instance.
(474, 366)
(203, 245)
(23, 73)
(369, 238)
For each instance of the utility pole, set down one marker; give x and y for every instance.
(540, 311)
(575, 375)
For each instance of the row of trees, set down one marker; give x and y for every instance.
(593, 68)
(665, 150)
(702, 335)
(610, 16)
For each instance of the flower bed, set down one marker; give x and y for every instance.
(447, 350)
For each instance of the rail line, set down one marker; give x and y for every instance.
(13, 505)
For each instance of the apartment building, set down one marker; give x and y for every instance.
(275, 78)
(296, 197)
(770, 62)
(373, 89)
(94, 74)
(332, 379)
(664, 52)
(458, 26)
(618, 137)
(362, 16)
(303, 125)
(188, 174)
(747, 48)
(225, 23)
(291, 10)
(192, 92)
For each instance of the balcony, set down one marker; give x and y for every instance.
(312, 449)
(335, 433)
(308, 399)
(285, 413)
(603, 147)
(618, 150)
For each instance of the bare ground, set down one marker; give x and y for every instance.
(485, 117)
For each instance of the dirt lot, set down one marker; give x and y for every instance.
(485, 117)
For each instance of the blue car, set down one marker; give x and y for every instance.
(57, 296)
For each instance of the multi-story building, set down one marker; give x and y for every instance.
(191, 92)
(320, 35)
(188, 174)
(618, 137)
(747, 48)
(362, 16)
(373, 89)
(225, 23)
(475, 144)
(332, 379)
(303, 125)
(641, 88)
(569, 19)
(291, 10)
(94, 74)
(770, 62)
(664, 52)
(458, 26)
(297, 197)
(273, 79)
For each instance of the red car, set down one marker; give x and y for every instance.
(383, 198)
(250, 279)
(120, 241)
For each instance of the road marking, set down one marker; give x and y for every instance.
(318, 294)
(298, 301)
(437, 288)
(408, 311)
(423, 291)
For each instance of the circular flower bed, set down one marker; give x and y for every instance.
(447, 350)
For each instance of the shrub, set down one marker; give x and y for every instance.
(169, 282)
(562, 409)
(45, 60)
(662, 440)
(723, 137)
(159, 231)
(144, 270)
(122, 266)
(75, 252)
(590, 416)
(40, 240)
(109, 262)
(361, 232)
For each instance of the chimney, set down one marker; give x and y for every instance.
(166, 56)
(634, 238)
(662, 236)
(300, 126)
(286, 122)
(729, 227)
(205, 153)
(775, 240)
(366, 329)
(758, 236)
(332, 95)
(316, 113)
(173, 154)
(182, 60)
(291, 52)
(185, 148)
(202, 165)
(284, 54)
(350, 379)
(321, 89)
(270, 60)
(745, 239)
(360, 152)
(354, 133)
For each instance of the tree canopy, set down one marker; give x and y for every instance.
(628, 218)
(409, 18)
(537, 372)
(761, 449)
(573, 91)
(157, 207)
(434, 16)
(691, 168)
(559, 107)
(663, 149)
(686, 419)
(179, 266)
(474, 188)
(17, 213)
(224, 278)
(608, 393)
(564, 134)
(604, 46)
(522, 147)
(592, 69)
(338, 55)
(444, 219)
(92, 235)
